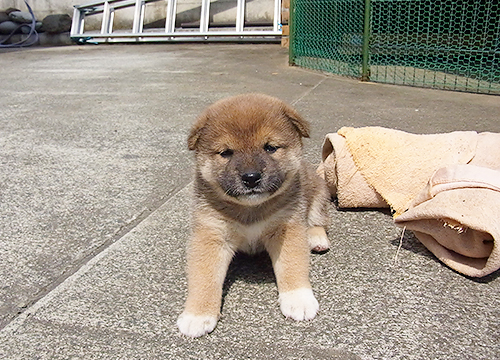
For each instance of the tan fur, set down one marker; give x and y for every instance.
(283, 212)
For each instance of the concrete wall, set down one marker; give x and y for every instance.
(42, 8)
(188, 11)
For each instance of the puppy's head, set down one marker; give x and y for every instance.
(248, 147)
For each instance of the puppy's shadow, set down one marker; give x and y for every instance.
(248, 268)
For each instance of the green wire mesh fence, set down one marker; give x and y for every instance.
(453, 45)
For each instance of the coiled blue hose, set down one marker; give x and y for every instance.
(24, 42)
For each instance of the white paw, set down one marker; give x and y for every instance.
(317, 238)
(196, 325)
(299, 304)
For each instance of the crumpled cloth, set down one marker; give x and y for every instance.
(443, 187)
(457, 217)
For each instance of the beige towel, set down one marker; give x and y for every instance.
(457, 217)
(379, 167)
(344, 179)
(394, 164)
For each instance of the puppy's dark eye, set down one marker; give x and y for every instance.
(270, 149)
(226, 153)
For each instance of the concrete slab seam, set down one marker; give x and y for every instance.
(308, 92)
(80, 269)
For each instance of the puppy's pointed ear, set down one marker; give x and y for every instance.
(196, 130)
(300, 124)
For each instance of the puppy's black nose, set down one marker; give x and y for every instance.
(251, 180)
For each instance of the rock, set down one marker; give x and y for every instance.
(27, 28)
(46, 39)
(7, 27)
(56, 23)
(9, 10)
(4, 16)
(21, 17)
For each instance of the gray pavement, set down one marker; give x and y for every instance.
(94, 204)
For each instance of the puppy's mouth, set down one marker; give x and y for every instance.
(243, 193)
(249, 196)
(252, 197)
(250, 188)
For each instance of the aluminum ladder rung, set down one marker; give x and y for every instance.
(240, 15)
(204, 15)
(138, 23)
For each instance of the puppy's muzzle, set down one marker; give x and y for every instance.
(251, 179)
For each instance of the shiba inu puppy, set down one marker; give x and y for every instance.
(253, 192)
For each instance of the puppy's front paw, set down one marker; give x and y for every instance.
(299, 304)
(196, 325)
(317, 238)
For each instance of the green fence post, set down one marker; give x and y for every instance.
(365, 70)
(291, 33)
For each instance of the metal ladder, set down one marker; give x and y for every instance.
(138, 34)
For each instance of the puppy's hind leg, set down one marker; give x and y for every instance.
(317, 239)
(317, 220)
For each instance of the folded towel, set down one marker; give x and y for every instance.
(394, 164)
(457, 217)
(379, 167)
(344, 179)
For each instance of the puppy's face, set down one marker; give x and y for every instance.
(248, 147)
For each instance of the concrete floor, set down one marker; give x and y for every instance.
(94, 203)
